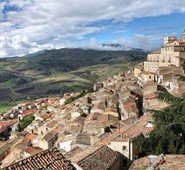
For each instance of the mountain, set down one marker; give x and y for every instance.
(59, 71)
(35, 54)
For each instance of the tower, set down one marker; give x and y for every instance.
(183, 35)
(169, 39)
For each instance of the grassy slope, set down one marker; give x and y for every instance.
(60, 71)
(6, 105)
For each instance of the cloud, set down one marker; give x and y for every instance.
(27, 26)
(141, 41)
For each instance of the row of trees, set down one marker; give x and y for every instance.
(168, 137)
(25, 122)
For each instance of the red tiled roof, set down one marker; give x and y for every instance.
(180, 41)
(32, 150)
(31, 137)
(101, 159)
(48, 159)
(3, 127)
(55, 100)
(5, 124)
(29, 112)
(45, 116)
(57, 129)
(130, 106)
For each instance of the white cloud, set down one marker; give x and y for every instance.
(141, 41)
(40, 24)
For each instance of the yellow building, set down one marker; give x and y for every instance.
(111, 112)
(145, 77)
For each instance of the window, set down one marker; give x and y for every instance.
(124, 147)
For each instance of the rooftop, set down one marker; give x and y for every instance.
(32, 150)
(156, 52)
(101, 159)
(130, 106)
(85, 153)
(83, 139)
(49, 136)
(4, 148)
(140, 127)
(151, 96)
(128, 130)
(48, 159)
(73, 152)
(169, 162)
(52, 123)
(31, 137)
(45, 116)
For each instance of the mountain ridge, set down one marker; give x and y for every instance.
(60, 71)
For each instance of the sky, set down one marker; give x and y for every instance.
(28, 26)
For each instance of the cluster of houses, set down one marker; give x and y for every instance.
(99, 130)
(80, 125)
(9, 121)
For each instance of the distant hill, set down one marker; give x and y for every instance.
(35, 54)
(59, 71)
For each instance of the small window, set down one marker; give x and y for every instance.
(150, 77)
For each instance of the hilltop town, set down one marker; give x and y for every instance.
(96, 129)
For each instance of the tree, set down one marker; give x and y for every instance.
(25, 122)
(168, 136)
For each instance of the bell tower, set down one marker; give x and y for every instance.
(183, 35)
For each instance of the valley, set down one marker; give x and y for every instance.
(56, 72)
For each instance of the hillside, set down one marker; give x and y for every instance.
(60, 71)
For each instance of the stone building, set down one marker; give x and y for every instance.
(125, 141)
(172, 53)
(48, 140)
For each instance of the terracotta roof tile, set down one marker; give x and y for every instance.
(73, 152)
(128, 131)
(48, 159)
(32, 150)
(102, 158)
(45, 116)
(31, 137)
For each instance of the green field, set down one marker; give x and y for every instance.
(7, 105)
(56, 72)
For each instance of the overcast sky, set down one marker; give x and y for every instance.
(28, 26)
